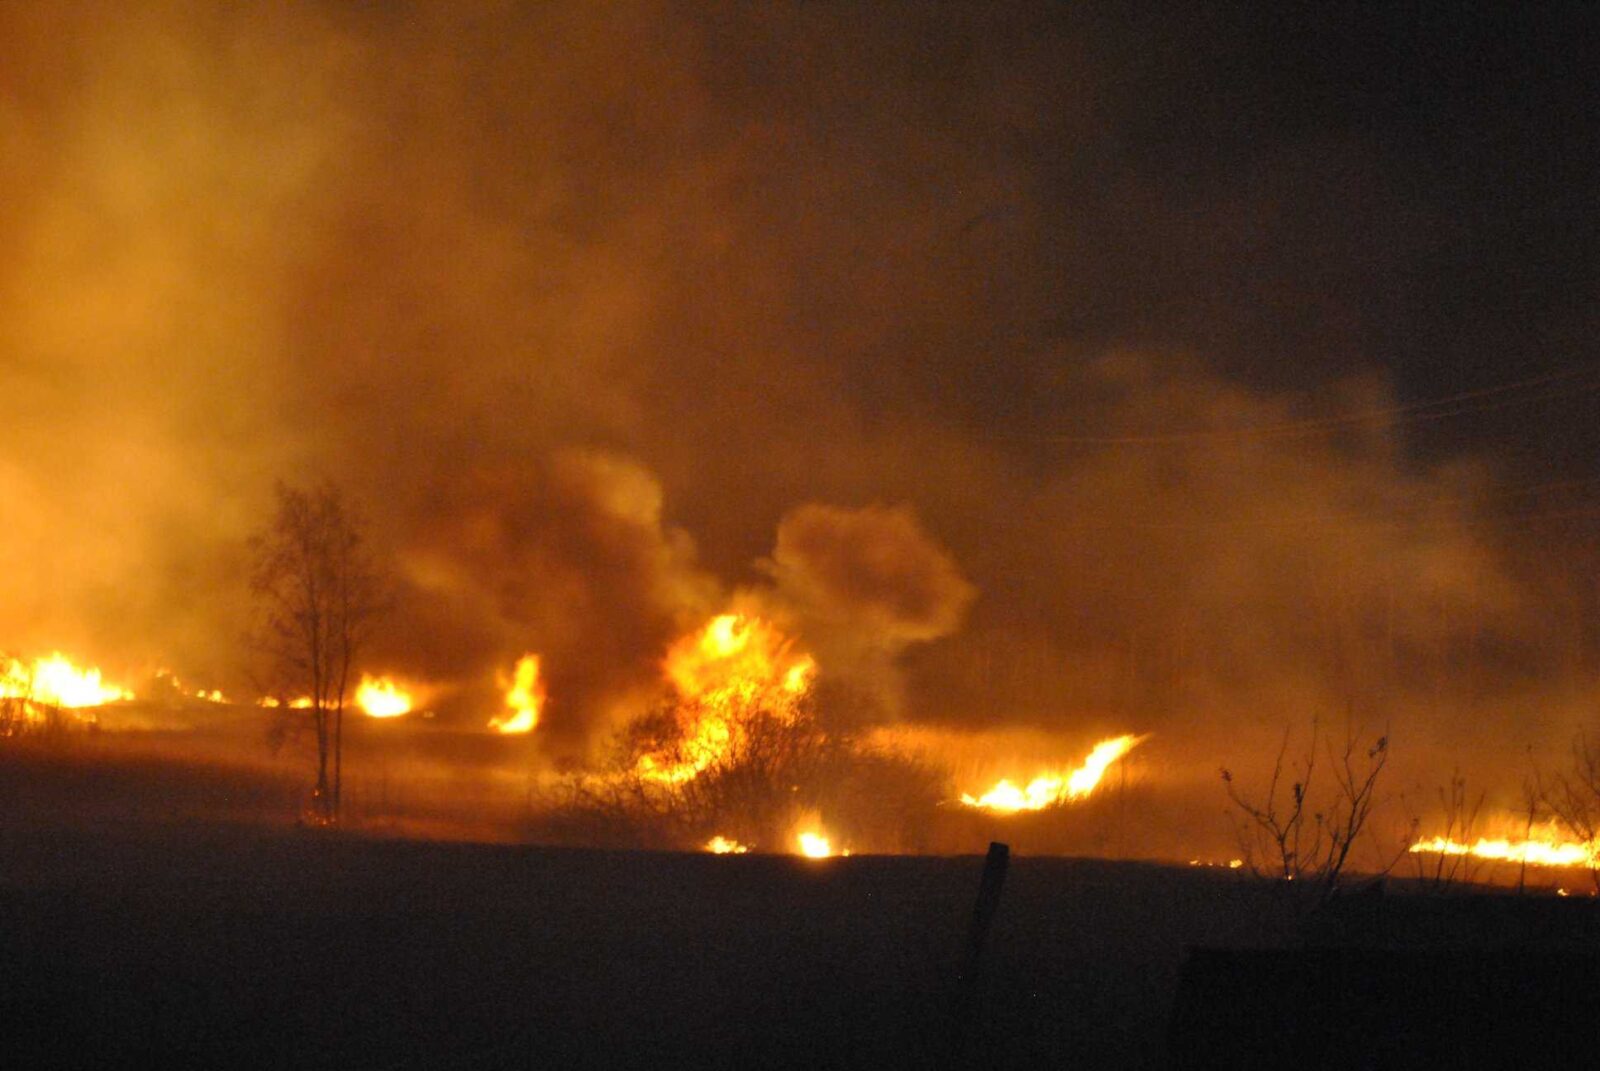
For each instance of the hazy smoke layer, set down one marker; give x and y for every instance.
(603, 316)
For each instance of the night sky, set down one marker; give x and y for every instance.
(1086, 367)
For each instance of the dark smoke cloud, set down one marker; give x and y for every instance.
(584, 307)
(567, 557)
(872, 569)
(864, 585)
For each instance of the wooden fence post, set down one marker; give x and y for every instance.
(967, 982)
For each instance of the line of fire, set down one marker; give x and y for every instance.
(737, 722)
(798, 535)
(731, 757)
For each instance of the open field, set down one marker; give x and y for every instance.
(137, 927)
(214, 946)
(190, 942)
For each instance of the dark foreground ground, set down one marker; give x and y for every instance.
(211, 946)
(166, 915)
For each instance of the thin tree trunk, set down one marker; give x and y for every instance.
(338, 763)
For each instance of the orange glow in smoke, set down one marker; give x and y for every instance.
(814, 845)
(380, 697)
(169, 678)
(302, 703)
(524, 698)
(732, 669)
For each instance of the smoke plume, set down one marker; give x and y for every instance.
(606, 319)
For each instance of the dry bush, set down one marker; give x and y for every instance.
(1306, 834)
(1442, 871)
(25, 715)
(776, 770)
(1573, 797)
(13, 716)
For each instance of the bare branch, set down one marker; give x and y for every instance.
(317, 592)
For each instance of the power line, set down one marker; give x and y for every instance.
(1481, 400)
(1335, 522)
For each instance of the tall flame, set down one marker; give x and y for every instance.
(738, 659)
(55, 681)
(724, 673)
(1049, 789)
(524, 698)
(381, 697)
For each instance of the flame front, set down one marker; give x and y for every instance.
(720, 845)
(524, 698)
(55, 681)
(1549, 850)
(381, 697)
(723, 674)
(1049, 789)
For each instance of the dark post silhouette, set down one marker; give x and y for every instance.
(967, 982)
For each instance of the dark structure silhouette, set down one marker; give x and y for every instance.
(1399, 982)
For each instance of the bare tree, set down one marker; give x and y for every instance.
(1308, 835)
(1441, 871)
(317, 593)
(1573, 797)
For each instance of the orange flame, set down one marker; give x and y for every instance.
(303, 703)
(735, 658)
(381, 697)
(170, 679)
(724, 673)
(55, 681)
(814, 845)
(720, 845)
(524, 697)
(1548, 850)
(1050, 789)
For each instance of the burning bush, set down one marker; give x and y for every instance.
(774, 774)
(737, 752)
(22, 716)
(1307, 834)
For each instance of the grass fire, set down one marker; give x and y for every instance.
(1052, 789)
(796, 535)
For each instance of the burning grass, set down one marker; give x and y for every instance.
(733, 758)
(1059, 787)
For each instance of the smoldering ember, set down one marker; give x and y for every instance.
(564, 532)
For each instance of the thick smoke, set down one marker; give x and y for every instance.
(865, 584)
(872, 570)
(594, 314)
(567, 557)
